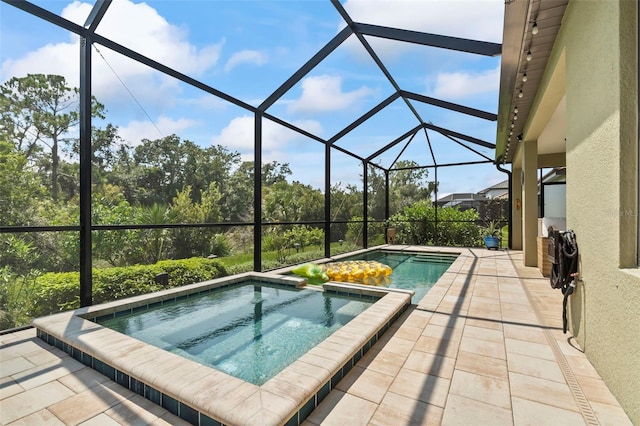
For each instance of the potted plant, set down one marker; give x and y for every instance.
(491, 234)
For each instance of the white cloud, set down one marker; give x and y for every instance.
(245, 57)
(464, 84)
(324, 93)
(139, 27)
(137, 130)
(239, 134)
(136, 26)
(474, 19)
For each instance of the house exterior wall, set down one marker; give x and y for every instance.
(599, 39)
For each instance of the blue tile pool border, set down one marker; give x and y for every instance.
(192, 414)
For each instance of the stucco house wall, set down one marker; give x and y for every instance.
(598, 40)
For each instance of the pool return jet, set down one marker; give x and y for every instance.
(563, 254)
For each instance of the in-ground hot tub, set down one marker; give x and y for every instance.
(205, 395)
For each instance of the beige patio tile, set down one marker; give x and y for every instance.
(596, 390)
(399, 346)
(385, 362)
(477, 305)
(482, 296)
(90, 403)
(521, 306)
(538, 350)
(483, 347)
(39, 418)
(100, 420)
(399, 410)
(82, 379)
(527, 412)
(481, 388)
(488, 315)
(20, 347)
(432, 364)
(485, 294)
(526, 333)
(15, 365)
(135, 411)
(519, 317)
(442, 332)
(537, 367)
(544, 391)
(417, 318)
(423, 387)
(9, 387)
(434, 345)
(445, 320)
(480, 364)
(610, 415)
(464, 411)
(484, 323)
(408, 332)
(366, 384)
(44, 356)
(32, 401)
(340, 409)
(581, 366)
(484, 333)
(41, 374)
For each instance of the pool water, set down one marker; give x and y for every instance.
(251, 330)
(411, 271)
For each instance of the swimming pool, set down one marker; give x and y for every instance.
(250, 331)
(411, 270)
(203, 395)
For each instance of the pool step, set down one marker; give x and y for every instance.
(434, 258)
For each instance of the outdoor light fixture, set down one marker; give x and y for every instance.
(515, 110)
(534, 30)
(520, 94)
(515, 117)
(524, 77)
(512, 125)
(529, 56)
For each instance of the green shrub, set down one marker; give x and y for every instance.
(416, 225)
(56, 292)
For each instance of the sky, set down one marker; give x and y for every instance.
(248, 48)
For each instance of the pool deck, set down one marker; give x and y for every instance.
(484, 346)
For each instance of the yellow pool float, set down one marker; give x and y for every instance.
(368, 272)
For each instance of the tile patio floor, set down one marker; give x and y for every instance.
(484, 347)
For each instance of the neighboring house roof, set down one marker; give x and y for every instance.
(466, 199)
(500, 185)
(459, 196)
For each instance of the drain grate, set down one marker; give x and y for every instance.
(576, 390)
(578, 394)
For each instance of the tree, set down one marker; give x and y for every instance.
(20, 188)
(408, 185)
(292, 202)
(39, 110)
(188, 242)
